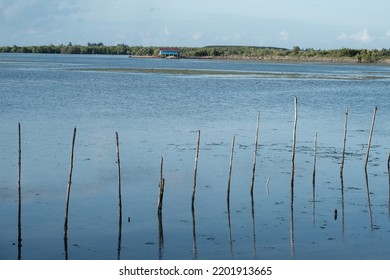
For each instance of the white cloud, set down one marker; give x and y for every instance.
(362, 36)
(167, 32)
(343, 37)
(196, 36)
(388, 33)
(283, 35)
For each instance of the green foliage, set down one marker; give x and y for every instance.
(231, 52)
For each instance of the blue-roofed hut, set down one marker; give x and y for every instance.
(170, 52)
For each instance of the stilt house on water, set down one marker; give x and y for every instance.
(170, 52)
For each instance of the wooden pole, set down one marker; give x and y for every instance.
(292, 239)
(118, 161)
(255, 151)
(370, 137)
(230, 168)
(19, 193)
(294, 144)
(119, 177)
(68, 195)
(161, 187)
(345, 141)
(196, 166)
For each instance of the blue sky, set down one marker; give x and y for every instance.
(194, 23)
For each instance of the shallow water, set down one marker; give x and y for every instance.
(158, 114)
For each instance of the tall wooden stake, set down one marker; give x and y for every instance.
(68, 195)
(19, 194)
(230, 168)
(196, 166)
(370, 137)
(345, 140)
(255, 151)
(118, 161)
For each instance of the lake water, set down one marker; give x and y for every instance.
(158, 115)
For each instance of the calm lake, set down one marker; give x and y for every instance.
(157, 114)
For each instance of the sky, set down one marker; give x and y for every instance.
(317, 24)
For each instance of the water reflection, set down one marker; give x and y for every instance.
(253, 227)
(160, 237)
(19, 194)
(342, 206)
(369, 200)
(194, 232)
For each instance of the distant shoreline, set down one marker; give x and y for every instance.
(253, 53)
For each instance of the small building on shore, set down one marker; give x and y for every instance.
(170, 52)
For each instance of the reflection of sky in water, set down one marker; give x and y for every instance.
(158, 115)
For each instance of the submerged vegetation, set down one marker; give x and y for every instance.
(218, 52)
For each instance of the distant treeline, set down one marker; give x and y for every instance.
(228, 52)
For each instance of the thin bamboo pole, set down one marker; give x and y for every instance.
(68, 195)
(370, 137)
(345, 140)
(255, 151)
(230, 168)
(19, 193)
(196, 166)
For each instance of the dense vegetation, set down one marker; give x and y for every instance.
(231, 52)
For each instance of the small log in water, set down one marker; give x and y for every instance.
(68, 195)
(255, 152)
(196, 167)
(230, 169)
(370, 137)
(19, 193)
(345, 141)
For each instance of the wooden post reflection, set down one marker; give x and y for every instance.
(255, 153)
(314, 179)
(342, 206)
(369, 201)
(159, 212)
(194, 232)
(230, 228)
(19, 194)
(253, 227)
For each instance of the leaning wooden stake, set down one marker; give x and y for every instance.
(68, 189)
(255, 152)
(230, 168)
(370, 137)
(345, 140)
(161, 187)
(196, 167)
(19, 194)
